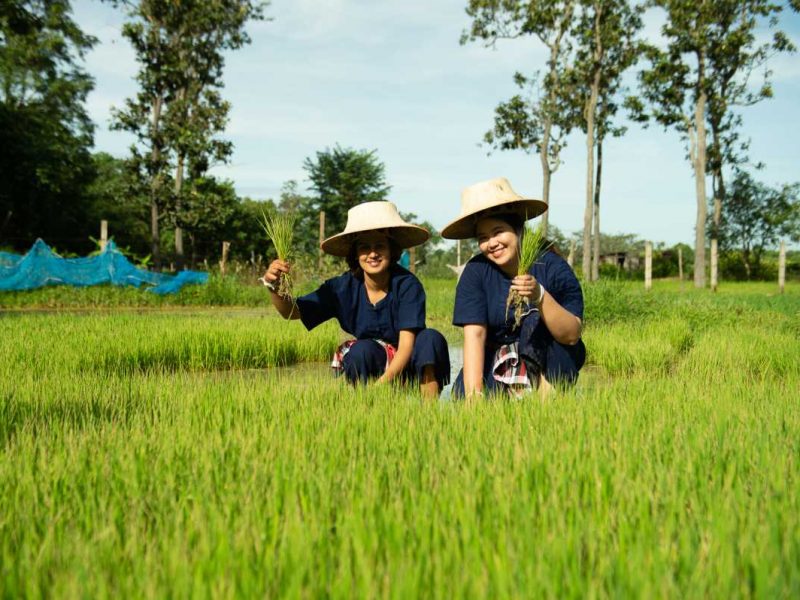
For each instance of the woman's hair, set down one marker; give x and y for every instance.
(514, 221)
(352, 256)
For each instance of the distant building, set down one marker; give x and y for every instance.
(626, 261)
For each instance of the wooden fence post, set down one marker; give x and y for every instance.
(222, 263)
(680, 263)
(103, 235)
(571, 256)
(648, 265)
(321, 236)
(782, 267)
(458, 253)
(714, 265)
(412, 256)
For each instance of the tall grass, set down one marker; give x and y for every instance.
(167, 455)
(279, 228)
(531, 246)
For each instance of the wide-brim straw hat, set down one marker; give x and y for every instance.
(486, 198)
(374, 216)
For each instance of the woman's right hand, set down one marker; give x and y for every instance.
(276, 267)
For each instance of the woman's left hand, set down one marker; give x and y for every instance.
(526, 286)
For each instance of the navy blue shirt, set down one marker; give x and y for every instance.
(482, 292)
(345, 299)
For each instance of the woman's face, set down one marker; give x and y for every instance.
(373, 253)
(497, 240)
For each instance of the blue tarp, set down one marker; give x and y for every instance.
(41, 267)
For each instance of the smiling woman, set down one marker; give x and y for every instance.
(377, 301)
(536, 348)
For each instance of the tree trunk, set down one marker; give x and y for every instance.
(590, 109)
(155, 185)
(179, 256)
(700, 177)
(718, 188)
(747, 266)
(596, 233)
(545, 189)
(586, 266)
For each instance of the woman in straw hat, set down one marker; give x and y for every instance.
(377, 301)
(546, 348)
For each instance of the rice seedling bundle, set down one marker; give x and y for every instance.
(531, 246)
(279, 228)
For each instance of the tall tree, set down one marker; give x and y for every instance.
(734, 57)
(521, 123)
(683, 81)
(343, 177)
(178, 110)
(606, 46)
(198, 114)
(45, 132)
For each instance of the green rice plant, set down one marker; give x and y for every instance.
(279, 228)
(169, 454)
(532, 245)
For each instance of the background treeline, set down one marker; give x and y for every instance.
(165, 208)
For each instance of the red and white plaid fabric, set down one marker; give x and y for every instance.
(337, 364)
(509, 369)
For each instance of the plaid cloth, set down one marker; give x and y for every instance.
(509, 369)
(337, 364)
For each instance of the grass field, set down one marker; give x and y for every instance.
(173, 453)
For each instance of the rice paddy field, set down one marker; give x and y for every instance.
(198, 451)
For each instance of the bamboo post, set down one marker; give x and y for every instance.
(680, 263)
(458, 253)
(222, 263)
(571, 257)
(412, 256)
(714, 265)
(782, 267)
(103, 235)
(648, 265)
(321, 235)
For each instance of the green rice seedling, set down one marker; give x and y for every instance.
(279, 228)
(531, 247)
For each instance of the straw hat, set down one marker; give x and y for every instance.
(374, 216)
(486, 198)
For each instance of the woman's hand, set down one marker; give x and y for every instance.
(402, 356)
(285, 306)
(527, 286)
(276, 267)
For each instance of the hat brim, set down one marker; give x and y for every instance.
(405, 236)
(464, 227)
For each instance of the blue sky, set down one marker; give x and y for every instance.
(390, 75)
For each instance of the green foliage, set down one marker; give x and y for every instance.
(115, 197)
(45, 132)
(178, 111)
(531, 247)
(341, 178)
(756, 218)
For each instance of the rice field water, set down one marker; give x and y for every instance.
(174, 454)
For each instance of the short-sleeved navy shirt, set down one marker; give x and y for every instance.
(345, 299)
(482, 292)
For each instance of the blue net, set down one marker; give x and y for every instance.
(41, 267)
